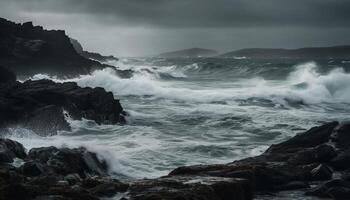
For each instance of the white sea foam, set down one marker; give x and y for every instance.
(317, 88)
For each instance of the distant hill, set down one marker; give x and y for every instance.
(189, 53)
(311, 52)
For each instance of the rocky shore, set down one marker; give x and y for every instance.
(40, 105)
(316, 162)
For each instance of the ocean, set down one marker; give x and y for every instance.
(203, 110)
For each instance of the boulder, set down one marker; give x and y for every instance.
(66, 161)
(10, 149)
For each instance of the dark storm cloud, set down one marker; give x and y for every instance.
(201, 13)
(148, 27)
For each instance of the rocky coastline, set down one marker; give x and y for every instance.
(316, 162)
(40, 105)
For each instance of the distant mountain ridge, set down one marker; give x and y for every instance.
(189, 53)
(309, 52)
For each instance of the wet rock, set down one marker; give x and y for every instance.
(104, 186)
(342, 138)
(325, 153)
(32, 168)
(321, 172)
(66, 161)
(72, 178)
(330, 189)
(191, 187)
(10, 149)
(311, 138)
(342, 161)
(47, 120)
(13, 192)
(38, 105)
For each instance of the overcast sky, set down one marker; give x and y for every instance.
(149, 27)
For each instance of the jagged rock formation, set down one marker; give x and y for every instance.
(91, 55)
(189, 53)
(52, 173)
(27, 50)
(336, 52)
(310, 157)
(38, 105)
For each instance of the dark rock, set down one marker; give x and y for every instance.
(342, 138)
(104, 186)
(325, 153)
(38, 105)
(339, 193)
(294, 185)
(342, 161)
(10, 149)
(32, 169)
(72, 178)
(50, 197)
(330, 188)
(47, 120)
(311, 138)
(6, 76)
(13, 192)
(321, 172)
(28, 50)
(191, 187)
(67, 161)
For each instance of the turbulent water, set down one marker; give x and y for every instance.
(204, 111)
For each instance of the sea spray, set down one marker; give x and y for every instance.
(204, 111)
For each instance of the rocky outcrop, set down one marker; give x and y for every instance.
(91, 55)
(27, 50)
(52, 173)
(315, 155)
(315, 162)
(39, 105)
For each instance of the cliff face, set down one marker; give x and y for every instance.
(28, 49)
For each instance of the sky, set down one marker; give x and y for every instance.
(150, 27)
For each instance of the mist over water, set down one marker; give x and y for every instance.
(205, 110)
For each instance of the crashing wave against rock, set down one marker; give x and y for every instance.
(38, 105)
(294, 164)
